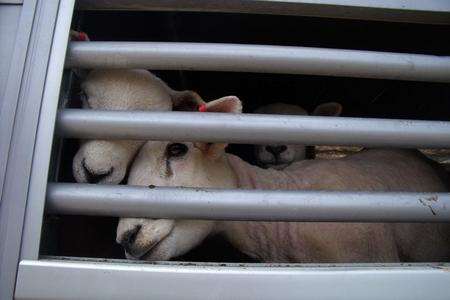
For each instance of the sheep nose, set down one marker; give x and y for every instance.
(129, 237)
(276, 150)
(92, 177)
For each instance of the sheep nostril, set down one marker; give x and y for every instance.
(129, 238)
(276, 150)
(92, 177)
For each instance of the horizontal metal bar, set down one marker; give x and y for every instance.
(259, 58)
(58, 279)
(238, 204)
(430, 11)
(252, 128)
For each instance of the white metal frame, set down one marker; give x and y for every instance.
(18, 124)
(57, 278)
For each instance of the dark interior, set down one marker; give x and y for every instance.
(95, 236)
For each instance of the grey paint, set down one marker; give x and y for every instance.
(238, 204)
(12, 85)
(260, 59)
(9, 21)
(429, 11)
(53, 279)
(252, 128)
(10, 217)
(44, 135)
(26, 85)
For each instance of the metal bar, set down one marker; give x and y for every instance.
(239, 204)
(252, 128)
(260, 59)
(53, 279)
(431, 11)
(31, 236)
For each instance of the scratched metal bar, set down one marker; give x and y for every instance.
(238, 204)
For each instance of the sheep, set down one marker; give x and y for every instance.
(207, 165)
(280, 156)
(106, 161)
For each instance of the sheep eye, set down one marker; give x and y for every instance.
(176, 150)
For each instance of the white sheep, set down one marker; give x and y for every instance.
(106, 161)
(207, 165)
(280, 156)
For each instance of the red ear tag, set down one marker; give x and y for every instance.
(202, 108)
(82, 36)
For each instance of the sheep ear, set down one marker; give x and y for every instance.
(186, 101)
(228, 104)
(332, 109)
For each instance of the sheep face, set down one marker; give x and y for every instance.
(105, 162)
(169, 164)
(100, 161)
(161, 239)
(280, 156)
(175, 164)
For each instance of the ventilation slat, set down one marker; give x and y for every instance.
(238, 204)
(433, 12)
(252, 128)
(259, 58)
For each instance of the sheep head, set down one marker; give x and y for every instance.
(279, 156)
(106, 161)
(184, 164)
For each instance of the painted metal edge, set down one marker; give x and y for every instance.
(53, 279)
